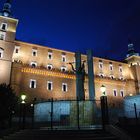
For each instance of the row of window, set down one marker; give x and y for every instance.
(50, 54)
(110, 66)
(115, 93)
(111, 76)
(49, 66)
(33, 84)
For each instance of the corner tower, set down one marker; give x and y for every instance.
(8, 26)
(133, 59)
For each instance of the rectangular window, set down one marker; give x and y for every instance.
(120, 69)
(63, 58)
(32, 83)
(100, 65)
(34, 52)
(122, 93)
(115, 92)
(17, 48)
(4, 26)
(111, 67)
(1, 53)
(50, 55)
(2, 35)
(49, 85)
(64, 87)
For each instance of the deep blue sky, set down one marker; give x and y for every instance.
(103, 25)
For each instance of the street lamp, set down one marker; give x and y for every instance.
(103, 89)
(23, 109)
(23, 97)
(104, 107)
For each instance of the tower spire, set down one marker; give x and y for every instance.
(131, 51)
(6, 9)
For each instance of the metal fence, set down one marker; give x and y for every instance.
(75, 114)
(63, 114)
(68, 114)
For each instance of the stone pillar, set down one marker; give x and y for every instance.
(91, 84)
(79, 78)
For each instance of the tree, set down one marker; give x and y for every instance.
(8, 102)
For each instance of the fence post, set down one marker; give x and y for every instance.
(52, 114)
(135, 108)
(104, 110)
(24, 116)
(78, 124)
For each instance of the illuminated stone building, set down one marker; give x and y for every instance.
(44, 73)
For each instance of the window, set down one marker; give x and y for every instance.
(63, 69)
(101, 75)
(32, 83)
(111, 67)
(100, 65)
(112, 76)
(4, 26)
(34, 52)
(49, 55)
(17, 48)
(1, 52)
(120, 69)
(33, 64)
(122, 93)
(49, 67)
(121, 78)
(115, 92)
(63, 58)
(49, 85)
(2, 35)
(64, 87)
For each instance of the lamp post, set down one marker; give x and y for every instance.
(23, 108)
(32, 110)
(103, 90)
(104, 107)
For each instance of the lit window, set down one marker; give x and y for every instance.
(120, 69)
(112, 76)
(33, 64)
(32, 83)
(100, 65)
(64, 87)
(111, 67)
(2, 35)
(17, 48)
(101, 75)
(115, 92)
(122, 93)
(4, 26)
(63, 69)
(49, 55)
(34, 52)
(49, 67)
(63, 58)
(1, 52)
(121, 78)
(49, 85)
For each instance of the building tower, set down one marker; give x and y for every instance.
(133, 59)
(8, 26)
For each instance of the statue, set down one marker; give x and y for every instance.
(80, 79)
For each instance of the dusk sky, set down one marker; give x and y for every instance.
(76, 25)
